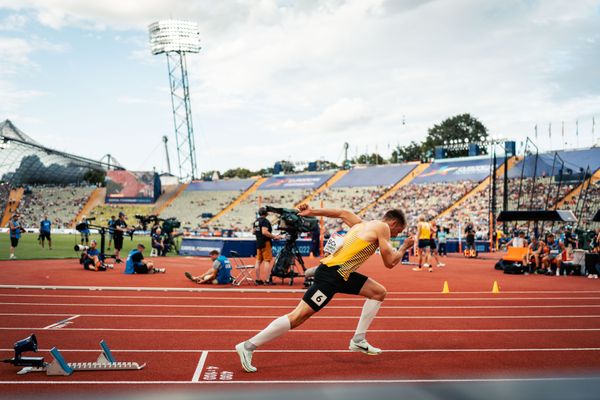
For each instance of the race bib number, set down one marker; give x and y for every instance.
(334, 243)
(318, 298)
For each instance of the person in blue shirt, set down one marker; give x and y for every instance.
(158, 242)
(111, 230)
(15, 229)
(218, 274)
(135, 263)
(85, 233)
(45, 228)
(91, 258)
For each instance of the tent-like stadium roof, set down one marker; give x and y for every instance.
(25, 161)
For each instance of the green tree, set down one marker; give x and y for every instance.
(371, 159)
(462, 128)
(241, 173)
(412, 152)
(94, 176)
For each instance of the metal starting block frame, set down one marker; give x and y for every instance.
(105, 362)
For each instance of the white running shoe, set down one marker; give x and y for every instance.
(364, 347)
(441, 265)
(426, 265)
(245, 357)
(13, 257)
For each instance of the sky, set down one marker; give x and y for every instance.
(295, 80)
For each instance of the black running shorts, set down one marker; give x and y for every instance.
(328, 282)
(423, 243)
(14, 242)
(118, 242)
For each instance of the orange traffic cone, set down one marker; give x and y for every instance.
(446, 289)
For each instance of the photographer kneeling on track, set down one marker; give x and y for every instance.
(91, 259)
(135, 264)
(218, 274)
(262, 229)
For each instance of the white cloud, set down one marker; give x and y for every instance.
(351, 70)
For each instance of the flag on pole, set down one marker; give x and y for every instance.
(536, 132)
(549, 129)
(593, 128)
(562, 130)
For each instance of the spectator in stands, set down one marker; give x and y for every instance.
(111, 230)
(85, 231)
(158, 242)
(423, 236)
(218, 274)
(120, 227)
(135, 264)
(15, 229)
(519, 240)
(263, 231)
(45, 228)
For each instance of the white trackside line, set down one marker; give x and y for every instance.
(171, 330)
(249, 290)
(200, 366)
(313, 317)
(61, 323)
(308, 382)
(287, 307)
(337, 299)
(487, 350)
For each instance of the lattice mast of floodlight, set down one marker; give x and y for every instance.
(175, 39)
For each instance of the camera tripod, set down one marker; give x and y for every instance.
(285, 262)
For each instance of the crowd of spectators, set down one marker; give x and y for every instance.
(586, 204)
(60, 203)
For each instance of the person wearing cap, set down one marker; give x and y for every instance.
(15, 230)
(135, 264)
(119, 227)
(263, 231)
(85, 232)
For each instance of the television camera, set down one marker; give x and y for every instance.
(168, 227)
(293, 224)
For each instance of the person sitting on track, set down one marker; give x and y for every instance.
(551, 258)
(337, 274)
(91, 258)
(218, 274)
(135, 264)
(424, 236)
(532, 258)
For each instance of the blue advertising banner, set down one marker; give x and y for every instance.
(195, 246)
(294, 182)
(475, 169)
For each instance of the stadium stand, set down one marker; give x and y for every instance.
(62, 204)
(360, 187)
(103, 212)
(439, 186)
(278, 191)
(200, 201)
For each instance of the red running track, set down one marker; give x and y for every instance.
(537, 326)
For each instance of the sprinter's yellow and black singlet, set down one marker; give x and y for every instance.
(353, 253)
(337, 272)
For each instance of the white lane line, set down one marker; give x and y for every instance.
(172, 330)
(251, 290)
(307, 382)
(313, 317)
(486, 350)
(337, 299)
(61, 324)
(287, 307)
(200, 366)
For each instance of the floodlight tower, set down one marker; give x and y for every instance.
(176, 38)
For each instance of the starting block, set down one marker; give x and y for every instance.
(105, 362)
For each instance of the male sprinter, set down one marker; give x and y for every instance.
(336, 274)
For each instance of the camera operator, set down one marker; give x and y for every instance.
(262, 229)
(120, 227)
(158, 242)
(85, 231)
